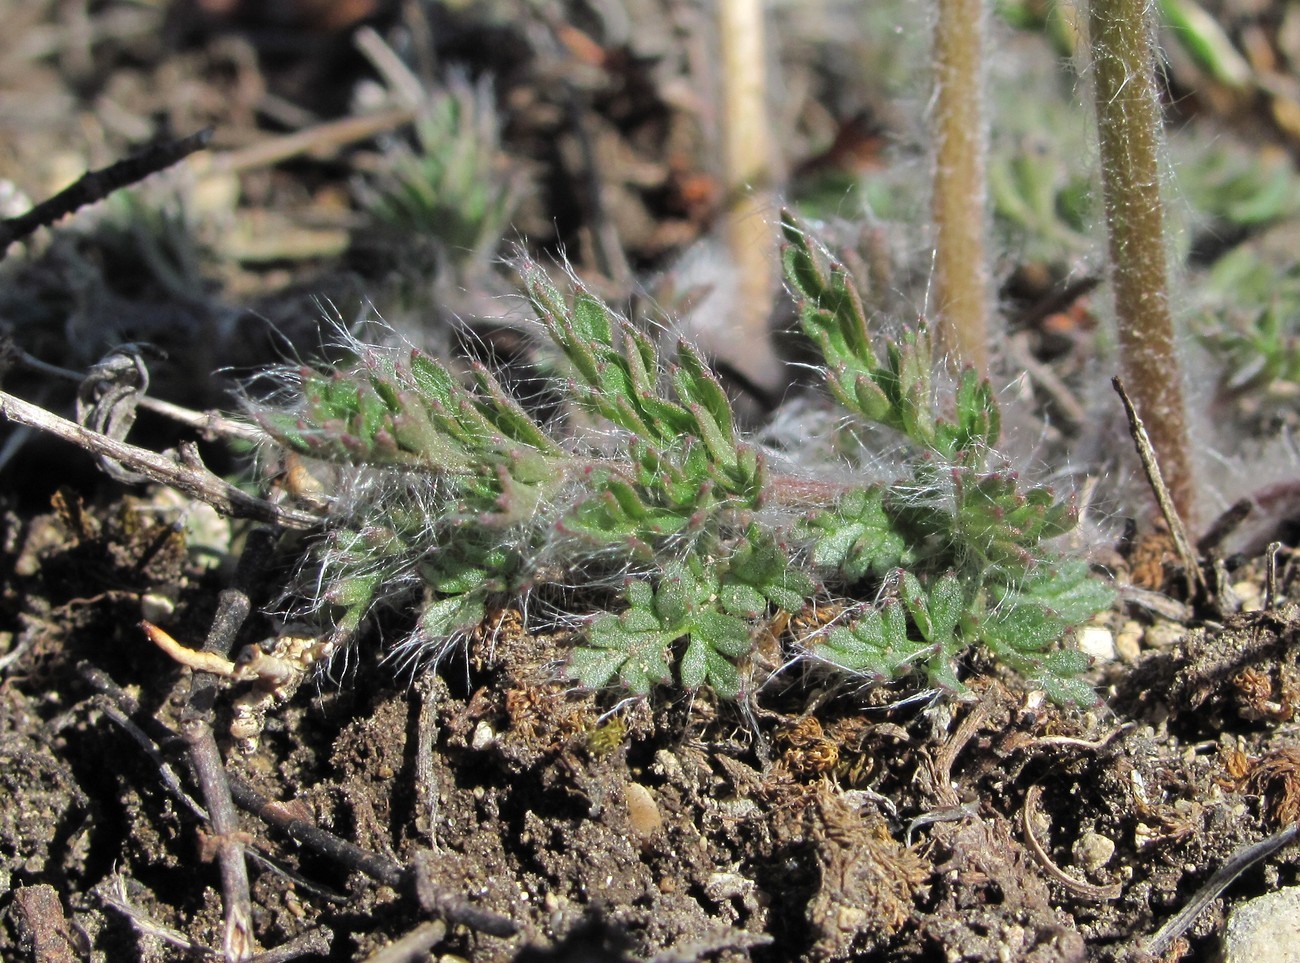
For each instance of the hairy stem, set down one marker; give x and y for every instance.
(748, 180)
(1128, 124)
(958, 201)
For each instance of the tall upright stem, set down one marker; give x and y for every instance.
(751, 233)
(1128, 125)
(961, 278)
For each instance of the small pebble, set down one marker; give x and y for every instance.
(668, 766)
(1249, 593)
(1264, 930)
(726, 886)
(737, 809)
(1164, 635)
(156, 608)
(1098, 642)
(642, 810)
(1128, 641)
(1092, 851)
(482, 737)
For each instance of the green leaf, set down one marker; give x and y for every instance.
(354, 590)
(1067, 691)
(591, 320)
(623, 645)
(444, 617)
(873, 644)
(743, 600)
(978, 421)
(937, 610)
(857, 537)
(1029, 618)
(596, 668)
(723, 633)
(698, 385)
(702, 663)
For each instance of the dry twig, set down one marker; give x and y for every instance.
(1147, 453)
(209, 424)
(1080, 888)
(96, 185)
(1240, 861)
(415, 945)
(188, 474)
(233, 607)
(432, 898)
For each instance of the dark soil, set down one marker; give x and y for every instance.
(808, 823)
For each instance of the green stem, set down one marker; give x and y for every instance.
(1128, 124)
(958, 202)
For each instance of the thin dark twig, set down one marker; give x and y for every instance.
(451, 907)
(237, 936)
(1223, 526)
(1240, 861)
(96, 185)
(349, 855)
(188, 475)
(233, 606)
(1079, 887)
(119, 707)
(433, 899)
(232, 609)
(300, 881)
(115, 714)
(103, 683)
(1150, 465)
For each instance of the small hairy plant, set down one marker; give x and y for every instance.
(457, 496)
(1256, 335)
(449, 186)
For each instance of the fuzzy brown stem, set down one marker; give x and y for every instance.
(1128, 125)
(961, 279)
(749, 180)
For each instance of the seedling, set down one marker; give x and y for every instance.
(448, 188)
(455, 497)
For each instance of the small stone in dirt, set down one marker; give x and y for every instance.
(1250, 592)
(1098, 642)
(1128, 641)
(1092, 851)
(642, 810)
(722, 887)
(155, 607)
(1265, 929)
(483, 736)
(1164, 635)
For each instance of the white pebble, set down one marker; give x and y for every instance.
(1098, 642)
